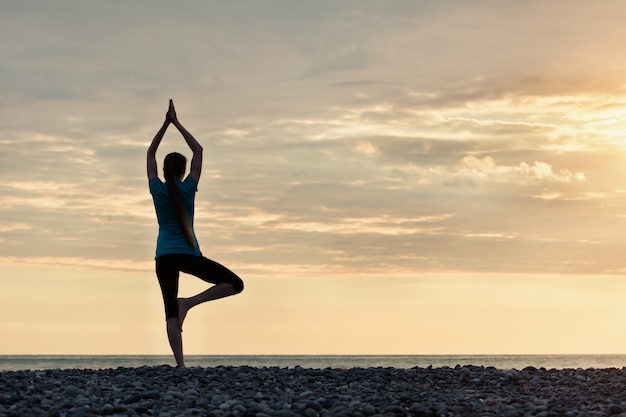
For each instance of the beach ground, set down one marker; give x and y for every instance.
(290, 392)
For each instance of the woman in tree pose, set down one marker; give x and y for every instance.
(177, 248)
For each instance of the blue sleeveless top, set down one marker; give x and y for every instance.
(171, 239)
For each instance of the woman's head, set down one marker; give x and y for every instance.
(174, 166)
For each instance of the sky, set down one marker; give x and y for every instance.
(397, 177)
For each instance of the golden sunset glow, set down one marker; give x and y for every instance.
(386, 177)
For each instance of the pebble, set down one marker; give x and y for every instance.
(303, 392)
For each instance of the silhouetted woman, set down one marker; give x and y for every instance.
(177, 247)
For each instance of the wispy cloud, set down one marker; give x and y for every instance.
(353, 138)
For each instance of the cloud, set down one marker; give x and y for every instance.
(353, 59)
(366, 148)
(78, 262)
(540, 171)
(352, 138)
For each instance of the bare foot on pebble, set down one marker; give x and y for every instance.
(182, 312)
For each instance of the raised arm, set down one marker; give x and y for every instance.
(151, 162)
(194, 145)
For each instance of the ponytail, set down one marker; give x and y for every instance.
(174, 168)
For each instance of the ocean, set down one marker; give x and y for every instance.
(505, 362)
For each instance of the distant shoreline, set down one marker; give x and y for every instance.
(23, 362)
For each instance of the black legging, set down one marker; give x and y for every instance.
(168, 268)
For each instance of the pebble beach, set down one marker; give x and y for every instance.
(289, 392)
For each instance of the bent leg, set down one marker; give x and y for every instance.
(226, 282)
(210, 271)
(214, 293)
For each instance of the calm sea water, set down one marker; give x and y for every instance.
(40, 362)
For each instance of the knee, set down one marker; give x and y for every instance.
(237, 285)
